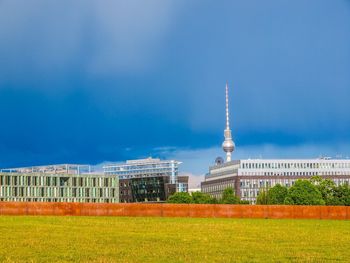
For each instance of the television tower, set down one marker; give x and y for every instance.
(228, 145)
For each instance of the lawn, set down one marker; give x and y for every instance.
(144, 239)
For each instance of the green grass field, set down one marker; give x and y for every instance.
(126, 239)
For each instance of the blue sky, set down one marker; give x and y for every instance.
(95, 81)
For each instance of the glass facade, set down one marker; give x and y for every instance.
(144, 168)
(148, 189)
(147, 180)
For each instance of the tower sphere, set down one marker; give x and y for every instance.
(228, 146)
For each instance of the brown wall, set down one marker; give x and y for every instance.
(175, 210)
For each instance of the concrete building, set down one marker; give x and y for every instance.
(147, 180)
(58, 183)
(248, 177)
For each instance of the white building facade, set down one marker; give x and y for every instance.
(249, 177)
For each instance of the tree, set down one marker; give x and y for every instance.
(326, 188)
(303, 192)
(276, 195)
(341, 195)
(202, 198)
(229, 197)
(180, 198)
(262, 197)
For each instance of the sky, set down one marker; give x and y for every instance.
(105, 81)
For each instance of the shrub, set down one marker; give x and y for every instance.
(277, 194)
(229, 197)
(202, 198)
(180, 198)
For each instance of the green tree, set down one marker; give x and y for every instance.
(229, 197)
(326, 188)
(303, 192)
(276, 195)
(202, 198)
(180, 198)
(262, 197)
(341, 195)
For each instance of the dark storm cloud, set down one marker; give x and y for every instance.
(88, 81)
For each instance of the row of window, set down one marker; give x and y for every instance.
(217, 187)
(258, 184)
(294, 173)
(77, 200)
(6, 191)
(25, 180)
(296, 165)
(249, 193)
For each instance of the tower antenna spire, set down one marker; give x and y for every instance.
(227, 112)
(228, 144)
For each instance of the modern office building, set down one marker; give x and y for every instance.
(248, 177)
(58, 183)
(147, 180)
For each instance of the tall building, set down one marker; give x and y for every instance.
(147, 180)
(248, 177)
(58, 183)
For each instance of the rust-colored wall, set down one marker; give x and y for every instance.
(175, 210)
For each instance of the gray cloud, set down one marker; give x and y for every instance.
(95, 37)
